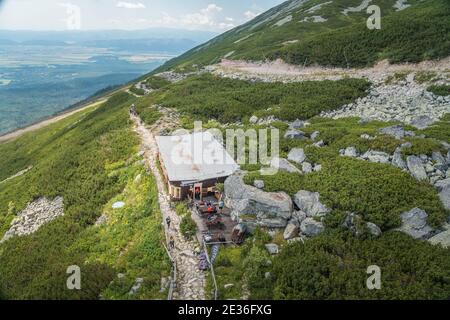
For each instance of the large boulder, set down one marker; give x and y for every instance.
(422, 122)
(297, 124)
(283, 165)
(309, 202)
(270, 209)
(414, 223)
(443, 187)
(294, 134)
(297, 155)
(438, 158)
(311, 227)
(397, 131)
(350, 152)
(376, 156)
(416, 167)
(442, 238)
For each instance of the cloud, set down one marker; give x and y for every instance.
(130, 5)
(207, 17)
(250, 14)
(211, 8)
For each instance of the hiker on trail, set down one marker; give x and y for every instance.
(168, 221)
(172, 243)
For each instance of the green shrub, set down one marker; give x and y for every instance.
(82, 158)
(188, 227)
(334, 266)
(156, 82)
(207, 97)
(425, 76)
(440, 90)
(137, 91)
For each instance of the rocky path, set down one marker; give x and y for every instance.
(190, 280)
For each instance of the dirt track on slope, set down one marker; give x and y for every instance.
(17, 133)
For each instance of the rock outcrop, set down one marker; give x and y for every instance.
(443, 187)
(297, 155)
(311, 227)
(404, 101)
(34, 216)
(414, 223)
(283, 165)
(397, 131)
(442, 238)
(255, 207)
(309, 202)
(415, 166)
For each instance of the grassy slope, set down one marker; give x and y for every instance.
(88, 159)
(207, 97)
(416, 33)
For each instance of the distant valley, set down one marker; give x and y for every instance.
(44, 73)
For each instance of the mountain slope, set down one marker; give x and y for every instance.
(332, 33)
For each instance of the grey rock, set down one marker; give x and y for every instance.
(405, 145)
(374, 229)
(291, 231)
(309, 202)
(416, 168)
(283, 165)
(272, 248)
(259, 184)
(297, 155)
(376, 156)
(397, 160)
(136, 287)
(397, 131)
(443, 184)
(311, 227)
(297, 124)
(444, 195)
(366, 137)
(442, 238)
(350, 152)
(35, 215)
(319, 144)
(307, 167)
(294, 134)
(315, 135)
(254, 119)
(298, 217)
(414, 223)
(438, 158)
(422, 122)
(264, 206)
(317, 168)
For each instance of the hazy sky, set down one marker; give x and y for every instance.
(212, 15)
